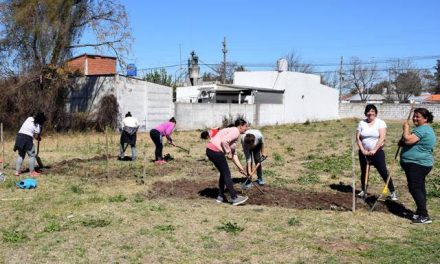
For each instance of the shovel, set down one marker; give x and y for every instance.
(39, 162)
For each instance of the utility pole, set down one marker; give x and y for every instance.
(224, 60)
(341, 79)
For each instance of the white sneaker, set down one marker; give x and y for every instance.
(393, 196)
(361, 194)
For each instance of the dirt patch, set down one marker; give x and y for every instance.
(279, 197)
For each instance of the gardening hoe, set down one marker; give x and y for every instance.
(249, 177)
(184, 149)
(385, 188)
(39, 162)
(367, 172)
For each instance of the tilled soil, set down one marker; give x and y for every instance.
(275, 197)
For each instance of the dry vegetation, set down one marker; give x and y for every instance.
(81, 214)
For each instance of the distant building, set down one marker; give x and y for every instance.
(262, 97)
(88, 64)
(96, 77)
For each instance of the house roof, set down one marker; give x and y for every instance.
(91, 55)
(233, 87)
(433, 98)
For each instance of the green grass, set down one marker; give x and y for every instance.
(78, 215)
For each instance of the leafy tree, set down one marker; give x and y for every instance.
(160, 77)
(378, 88)
(407, 84)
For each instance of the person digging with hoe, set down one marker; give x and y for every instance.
(156, 134)
(417, 160)
(24, 142)
(224, 143)
(253, 148)
(130, 127)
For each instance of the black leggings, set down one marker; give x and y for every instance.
(378, 160)
(219, 160)
(155, 136)
(415, 175)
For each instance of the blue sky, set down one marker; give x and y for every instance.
(260, 32)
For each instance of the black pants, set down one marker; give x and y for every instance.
(415, 175)
(219, 160)
(378, 161)
(155, 136)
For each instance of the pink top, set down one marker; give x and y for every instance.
(225, 140)
(165, 129)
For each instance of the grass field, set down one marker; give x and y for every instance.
(88, 210)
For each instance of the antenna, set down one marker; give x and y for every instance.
(224, 60)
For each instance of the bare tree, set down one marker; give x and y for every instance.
(296, 63)
(44, 33)
(38, 36)
(362, 77)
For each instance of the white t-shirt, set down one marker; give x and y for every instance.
(130, 121)
(369, 135)
(29, 127)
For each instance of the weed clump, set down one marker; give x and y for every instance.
(94, 223)
(229, 227)
(14, 236)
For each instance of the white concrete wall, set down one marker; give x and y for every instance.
(150, 103)
(269, 114)
(386, 111)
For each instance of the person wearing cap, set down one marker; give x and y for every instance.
(130, 127)
(24, 142)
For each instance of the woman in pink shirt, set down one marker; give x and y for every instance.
(224, 143)
(156, 134)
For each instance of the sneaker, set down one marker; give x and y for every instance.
(415, 216)
(220, 199)
(239, 200)
(160, 162)
(261, 182)
(34, 174)
(361, 194)
(422, 220)
(393, 196)
(246, 185)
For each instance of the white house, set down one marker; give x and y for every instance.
(263, 97)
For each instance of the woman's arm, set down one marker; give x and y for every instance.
(359, 143)
(408, 138)
(380, 141)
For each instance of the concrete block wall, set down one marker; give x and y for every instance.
(386, 111)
